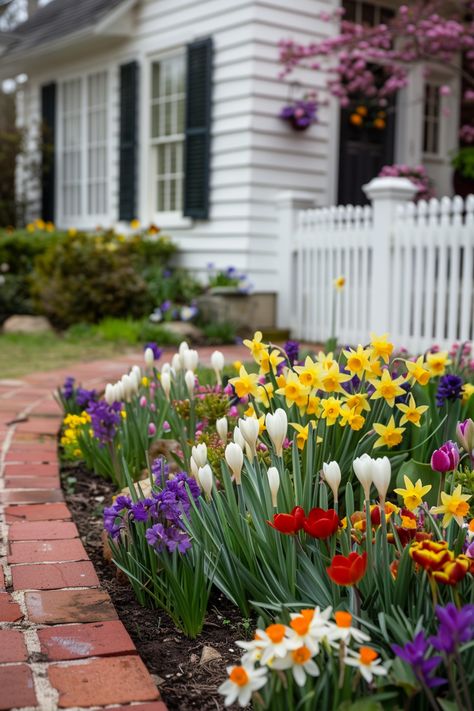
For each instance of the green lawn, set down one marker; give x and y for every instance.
(25, 353)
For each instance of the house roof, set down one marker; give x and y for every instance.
(55, 21)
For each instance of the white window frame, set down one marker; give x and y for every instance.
(84, 220)
(174, 218)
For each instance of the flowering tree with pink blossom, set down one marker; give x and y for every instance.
(375, 61)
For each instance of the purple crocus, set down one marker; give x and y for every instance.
(104, 420)
(85, 397)
(292, 349)
(142, 509)
(68, 387)
(446, 458)
(456, 627)
(156, 350)
(465, 435)
(449, 388)
(416, 655)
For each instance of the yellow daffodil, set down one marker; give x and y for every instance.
(374, 369)
(250, 411)
(390, 435)
(270, 361)
(413, 494)
(135, 224)
(453, 506)
(350, 416)
(382, 346)
(145, 381)
(303, 433)
(437, 362)
(255, 346)
(467, 392)
(417, 372)
(237, 365)
(325, 360)
(412, 413)
(314, 405)
(331, 409)
(357, 360)
(358, 402)
(293, 390)
(30, 227)
(246, 383)
(309, 373)
(40, 224)
(331, 379)
(339, 283)
(265, 394)
(387, 388)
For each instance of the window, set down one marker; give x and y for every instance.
(83, 147)
(366, 13)
(167, 133)
(431, 119)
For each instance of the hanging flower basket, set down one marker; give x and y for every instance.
(300, 114)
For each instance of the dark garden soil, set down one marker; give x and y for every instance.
(185, 681)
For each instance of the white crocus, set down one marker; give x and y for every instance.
(190, 359)
(190, 381)
(217, 362)
(238, 439)
(234, 457)
(176, 363)
(222, 427)
(166, 383)
(149, 357)
(363, 468)
(119, 391)
(332, 477)
(110, 394)
(241, 684)
(183, 347)
(165, 368)
(199, 454)
(194, 468)
(250, 428)
(277, 426)
(205, 479)
(128, 387)
(274, 483)
(381, 475)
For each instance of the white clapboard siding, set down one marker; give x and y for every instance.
(411, 264)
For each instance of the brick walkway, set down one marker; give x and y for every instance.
(61, 643)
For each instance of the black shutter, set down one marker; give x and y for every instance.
(48, 138)
(128, 147)
(198, 124)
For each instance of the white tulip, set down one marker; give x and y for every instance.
(109, 394)
(363, 468)
(190, 381)
(235, 459)
(274, 483)
(136, 377)
(166, 383)
(238, 439)
(250, 428)
(277, 426)
(381, 474)
(199, 454)
(190, 359)
(332, 477)
(221, 427)
(149, 357)
(217, 362)
(205, 479)
(176, 362)
(119, 391)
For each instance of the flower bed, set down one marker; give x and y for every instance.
(323, 496)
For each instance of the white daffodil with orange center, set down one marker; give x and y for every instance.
(387, 388)
(273, 642)
(367, 661)
(242, 681)
(300, 662)
(301, 634)
(343, 629)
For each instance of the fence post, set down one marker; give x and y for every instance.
(288, 203)
(385, 194)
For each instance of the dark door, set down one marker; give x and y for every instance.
(363, 151)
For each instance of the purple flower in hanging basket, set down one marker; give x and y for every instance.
(300, 114)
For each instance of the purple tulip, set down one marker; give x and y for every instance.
(446, 458)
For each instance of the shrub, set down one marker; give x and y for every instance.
(86, 278)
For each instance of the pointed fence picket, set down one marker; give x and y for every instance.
(409, 269)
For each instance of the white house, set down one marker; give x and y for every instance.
(167, 111)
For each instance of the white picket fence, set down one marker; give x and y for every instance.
(409, 268)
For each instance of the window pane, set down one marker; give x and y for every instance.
(155, 80)
(97, 112)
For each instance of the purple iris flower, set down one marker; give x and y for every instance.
(415, 654)
(141, 510)
(449, 388)
(456, 627)
(446, 458)
(292, 349)
(68, 387)
(105, 420)
(85, 397)
(157, 352)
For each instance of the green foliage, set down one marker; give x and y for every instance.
(463, 162)
(175, 285)
(219, 333)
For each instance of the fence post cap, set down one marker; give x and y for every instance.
(400, 189)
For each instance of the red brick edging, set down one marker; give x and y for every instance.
(61, 643)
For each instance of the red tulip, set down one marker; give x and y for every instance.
(347, 570)
(321, 523)
(289, 523)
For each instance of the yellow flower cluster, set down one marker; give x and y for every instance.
(72, 424)
(40, 225)
(316, 388)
